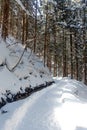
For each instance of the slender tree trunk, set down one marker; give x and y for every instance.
(71, 52)
(55, 52)
(85, 61)
(84, 49)
(55, 65)
(64, 56)
(26, 28)
(76, 58)
(5, 19)
(1, 12)
(45, 42)
(19, 25)
(23, 28)
(48, 54)
(35, 31)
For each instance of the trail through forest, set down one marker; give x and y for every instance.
(62, 106)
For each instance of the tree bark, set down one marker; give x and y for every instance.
(45, 42)
(5, 19)
(71, 52)
(64, 56)
(35, 31)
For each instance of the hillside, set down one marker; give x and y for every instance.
(20, 70)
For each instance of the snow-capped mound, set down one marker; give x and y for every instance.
(72, 88)
(20, 69)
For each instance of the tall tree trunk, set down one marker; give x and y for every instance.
(76, 58)
(5, 19)
(84, 49)
(55, 50)
(55, 65)
(64, 56)
(26, 37)
(19, 25)
(71, 52)
(85, 61)
(35, 31)
(48, 54)
(23, 28)
(1, 12)
(45, 42)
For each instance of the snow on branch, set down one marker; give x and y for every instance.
(23, 7)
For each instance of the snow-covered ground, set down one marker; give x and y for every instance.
(29, 73)
(62, 106)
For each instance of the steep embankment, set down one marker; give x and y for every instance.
(21, 72)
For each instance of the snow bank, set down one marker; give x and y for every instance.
(72, 87)
(29, 73)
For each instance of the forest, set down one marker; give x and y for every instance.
(55, 30)
(43, 64)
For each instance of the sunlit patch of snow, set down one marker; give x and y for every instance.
(70, 115)
(18, 115)
(16, 118)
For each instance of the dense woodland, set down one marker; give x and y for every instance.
(56, 30)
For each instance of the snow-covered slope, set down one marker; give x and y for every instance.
(29, 73)
(62, 106)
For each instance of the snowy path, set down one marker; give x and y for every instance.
(54, 108)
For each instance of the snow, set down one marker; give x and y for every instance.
(10, 80)
(23, 7)
(62, 106)
(30, 72)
